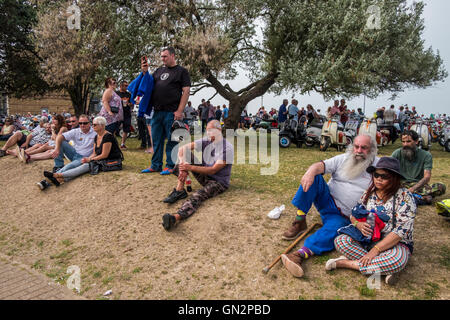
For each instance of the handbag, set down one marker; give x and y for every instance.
(114, 109)
(95, 166)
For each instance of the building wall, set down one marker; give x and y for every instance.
(53, 102)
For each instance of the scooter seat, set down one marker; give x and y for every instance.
(319, 126)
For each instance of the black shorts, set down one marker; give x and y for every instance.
(22, 140)
(242, 120)
(126, 124)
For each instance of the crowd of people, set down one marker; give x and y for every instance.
(367, 208)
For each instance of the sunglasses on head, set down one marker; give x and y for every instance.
(83, 122)
(385, 176)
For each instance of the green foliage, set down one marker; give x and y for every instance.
(19, 63)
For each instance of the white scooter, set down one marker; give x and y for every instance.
(370, 127)
(333, 134)
(424, 134)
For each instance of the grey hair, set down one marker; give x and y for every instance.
(216, 124)
(373, 143)
(44, 119)
(100, 120)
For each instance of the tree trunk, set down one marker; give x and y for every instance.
(79, 95)
(240, 99)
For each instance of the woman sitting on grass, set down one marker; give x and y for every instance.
(105, 148)
(44, 151)
(391, 254)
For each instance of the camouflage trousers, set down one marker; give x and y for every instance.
(435, 190)
(210, 188)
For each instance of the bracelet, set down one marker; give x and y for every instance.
(379, 251)
(355, 223)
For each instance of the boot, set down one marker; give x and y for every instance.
(293, 263)
(294, 231)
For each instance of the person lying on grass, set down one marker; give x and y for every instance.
(39, 136)
(391, 253)
(213, 172)
(44, 151)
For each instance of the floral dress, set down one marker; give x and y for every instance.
(402, 223)
(115, 101)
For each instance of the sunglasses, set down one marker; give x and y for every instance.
(382, 176)
(83, 123)
(96, 124)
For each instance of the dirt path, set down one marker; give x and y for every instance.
(110, 226)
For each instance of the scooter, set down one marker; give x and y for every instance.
(446, 132)
(369, 126)
(293, 132)
(388, 134)
(424, 135)
(333, 134)
(351, 130)
(313, 133)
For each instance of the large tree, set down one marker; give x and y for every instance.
(72, 57)
(302, 45)
(19, 62)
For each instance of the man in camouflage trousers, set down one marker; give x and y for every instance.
(416, 165)
(213, 172)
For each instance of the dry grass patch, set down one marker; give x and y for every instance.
(110, 226)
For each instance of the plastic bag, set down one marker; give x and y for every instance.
(276, 212)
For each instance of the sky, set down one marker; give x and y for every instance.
(431, 100)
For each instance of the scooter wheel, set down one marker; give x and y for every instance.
(324, 144)
(285, 141)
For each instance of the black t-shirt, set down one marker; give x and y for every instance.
(115, 152)
(167, 90)
(126, 108)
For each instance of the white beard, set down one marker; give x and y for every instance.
(354, 166)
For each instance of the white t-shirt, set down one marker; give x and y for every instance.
(82, 142)
(346, 193)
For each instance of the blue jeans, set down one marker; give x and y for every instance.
(69, 151)
(161, 124)
(319, 194)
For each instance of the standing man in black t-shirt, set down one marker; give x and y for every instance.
(170, 95)
(127, 106)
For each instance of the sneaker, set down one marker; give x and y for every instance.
(175, 196)
(166, 172)
(391, 279)
(56, 169)
(43, 184)
(2, 153)
(50, 176)
(149, 170)
(168, 221)
(295, 230)
(293, 263)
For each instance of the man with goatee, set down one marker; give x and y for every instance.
(416, 165)
(334, 200)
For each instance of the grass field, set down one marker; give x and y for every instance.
(109, 225)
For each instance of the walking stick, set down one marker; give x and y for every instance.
(266, 269)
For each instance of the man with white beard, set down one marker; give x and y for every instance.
(334, 201)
